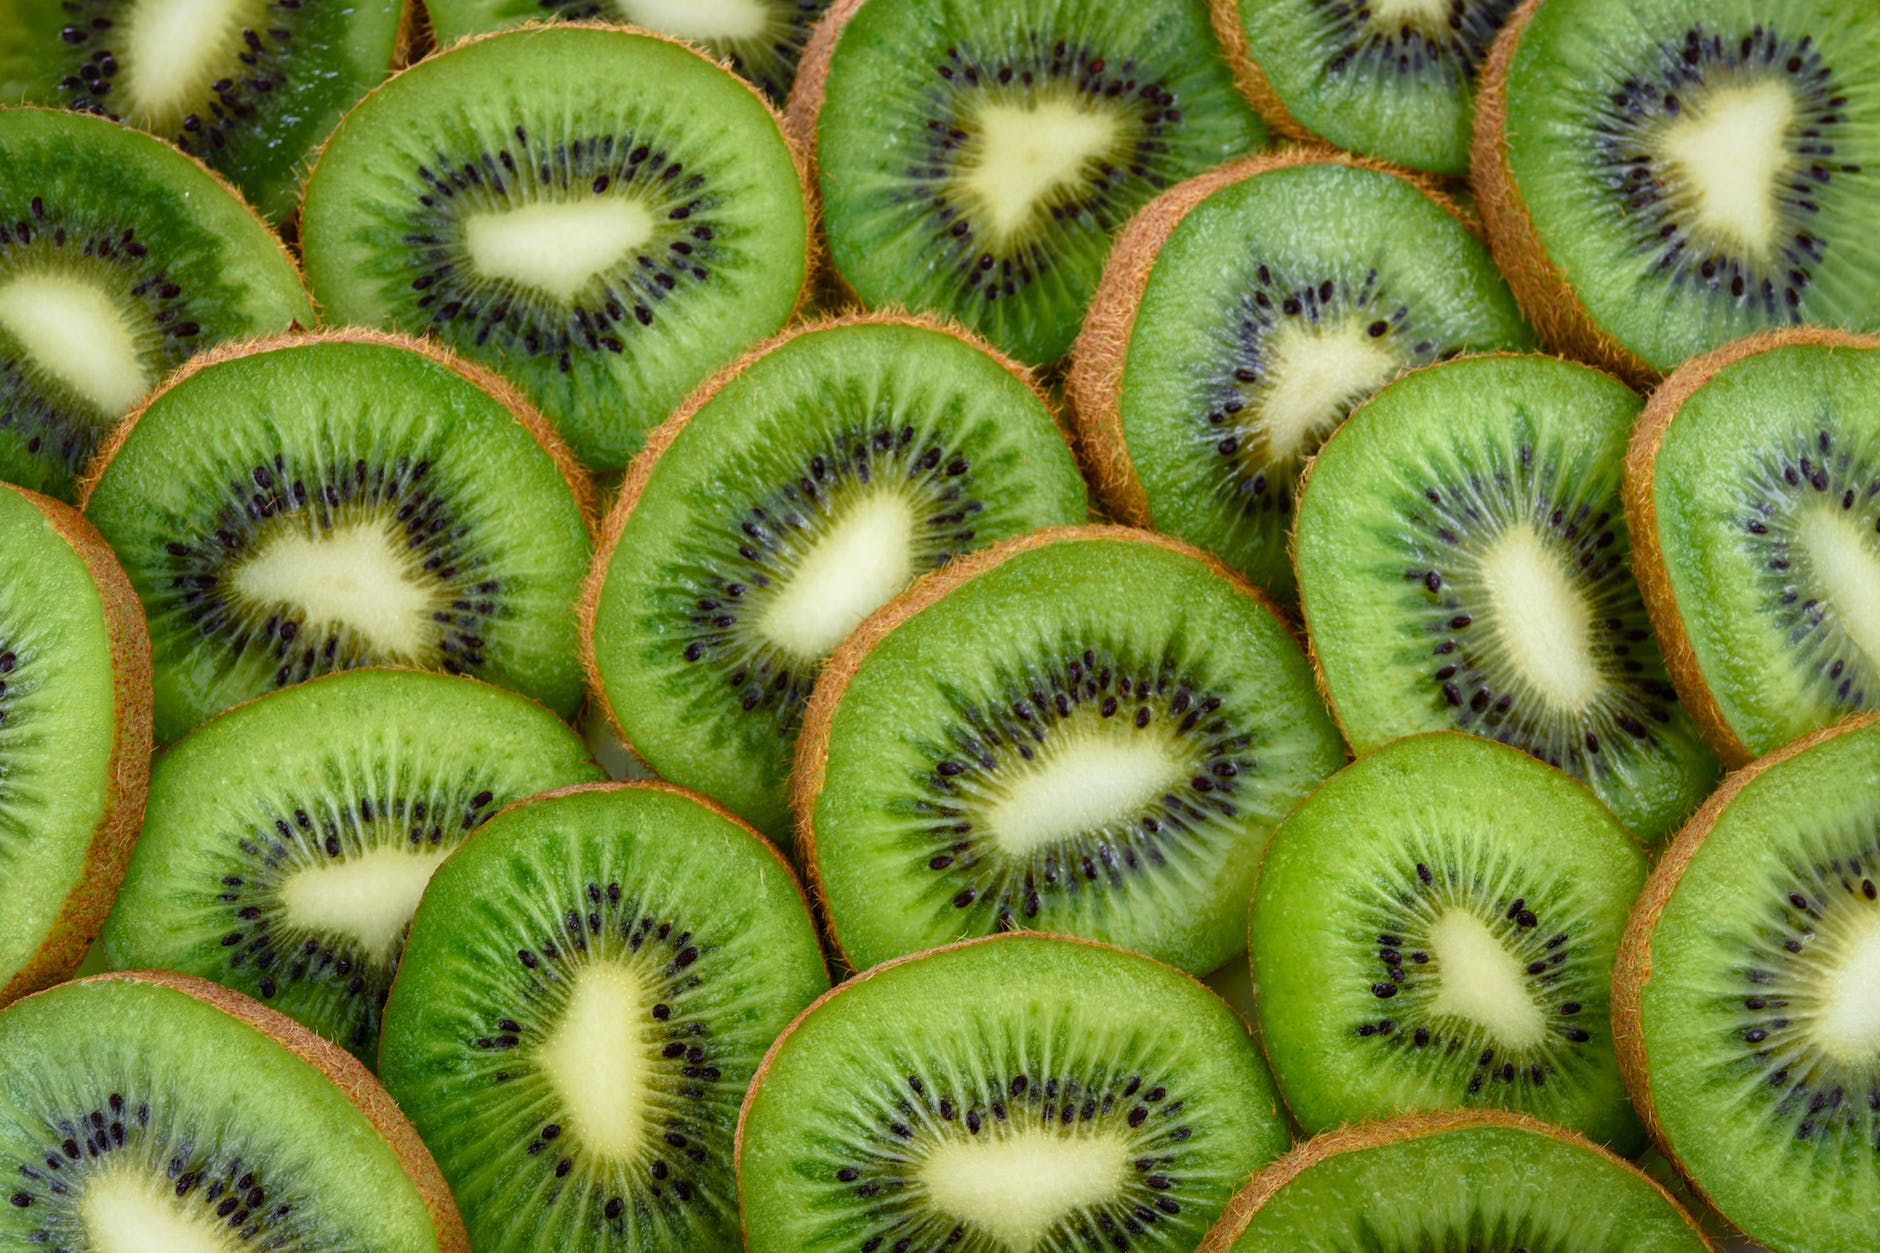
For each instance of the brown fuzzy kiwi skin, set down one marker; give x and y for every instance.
(1248, 76)
(1641, 518)
(801, 109)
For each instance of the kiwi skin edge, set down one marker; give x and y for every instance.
(1249, 77)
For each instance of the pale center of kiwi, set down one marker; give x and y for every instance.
(75, 332)
(1318, 374)
(1728, 150)
(173, 48)
(127, 1211)
(556, 247)
(368, 899)
(1086, 778)
(1022, 154)
(598, 1064)
(1482, 981)
(1848, 1025)
(360, 575)
(1542, 618)
(1427, 13)
(854, 567)
(698, 19)
(1014, 1187)
(1846, 563)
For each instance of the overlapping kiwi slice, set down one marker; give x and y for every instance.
(296, 506)
(976, 160)
(119, 259)
(1019, 1092)
(286, 842)
(1241, 317)
(590, 983)
(1463, 564)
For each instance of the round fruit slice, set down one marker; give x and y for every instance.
(1021, 1092)
(1088, 730)
(1463, 564)
(1747, 997)
(589, 985)
(784, 502)
(1242, 316)
(301, 505)
(603, 215)
(120, 259)
(286, 842)
(1753, 488)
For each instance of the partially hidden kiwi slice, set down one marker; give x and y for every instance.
(294, 506)
(975, 160)
(589, 985)
(1020, 1092)
(785, 501)
(1747, 998)
(603, 215)
(1753, 493)
(119, 259)
(287, 841)
(1241, 317)
(1463, 564)
(1086, 730)
(150, 1112)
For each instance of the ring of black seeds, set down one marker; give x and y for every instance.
(1357, 44)
(773, 72)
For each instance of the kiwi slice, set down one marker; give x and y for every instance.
(295, 506)
(1241, 317)
(603, 215)
(975, 160)
(119, 259)
(589, 985)
(1659, 179)
(785, 501)
(1747, 995)
(1019, 1092)
(287, 841)
(1463, 564)
(1753, 488)
(1087, 730)
(1475, 1179)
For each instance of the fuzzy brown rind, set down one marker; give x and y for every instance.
(801, 109)
(1249, 77)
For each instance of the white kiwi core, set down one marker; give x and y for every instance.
(1317, 374)
(556, 247)
(171, 48)
(1542, 619)
(75, 332)
(1845, 558)
(597, 1061)
(1728, 152)
(699, 19)
(1025, 153)
(852, 569)
(1014, 1187)
(1483, 982)
(358, 575)
(369, 898)
(126, 1211)
(1087, 778)
(1423, 13)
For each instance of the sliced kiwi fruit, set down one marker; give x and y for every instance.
(784, 502)
(293, 506)
(1242, 315)
(286, 842)
(603, 215)
(153, 1111)
(1660, 179)
(1019, 1092)
(1087, 730)
(1747, 995)
(975, 160)
(1460, 1179)
(589, 985)
(1463, 564)
(1753, 491)
(119, 259)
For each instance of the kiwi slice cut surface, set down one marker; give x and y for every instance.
(787, 500)
(296, 506)
(975, 160)
(120, 258)
(1241, 317)
(590, 983)
(1753, 488)
(287, 841)
(1021, 1092)
(603, 215)
(1463, 564)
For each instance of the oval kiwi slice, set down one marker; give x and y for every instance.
(785, 501)
(589, 985)
(295, 506)
(1242, 316)
(1463, 564)
(1019, 1092)
(287, 841)
(603, 215)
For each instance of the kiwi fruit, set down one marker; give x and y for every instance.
(286, 842)
(1745, 997)
(1753, 490)
(1242, 315)
(785, 500)
(1017, 1092)
(288, 507)
(1463, 564)
(120, 258)
(602, 215)
(74, 736)
(976, 160)
(1660, 179)
(1087, 730)
(153, 1111)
